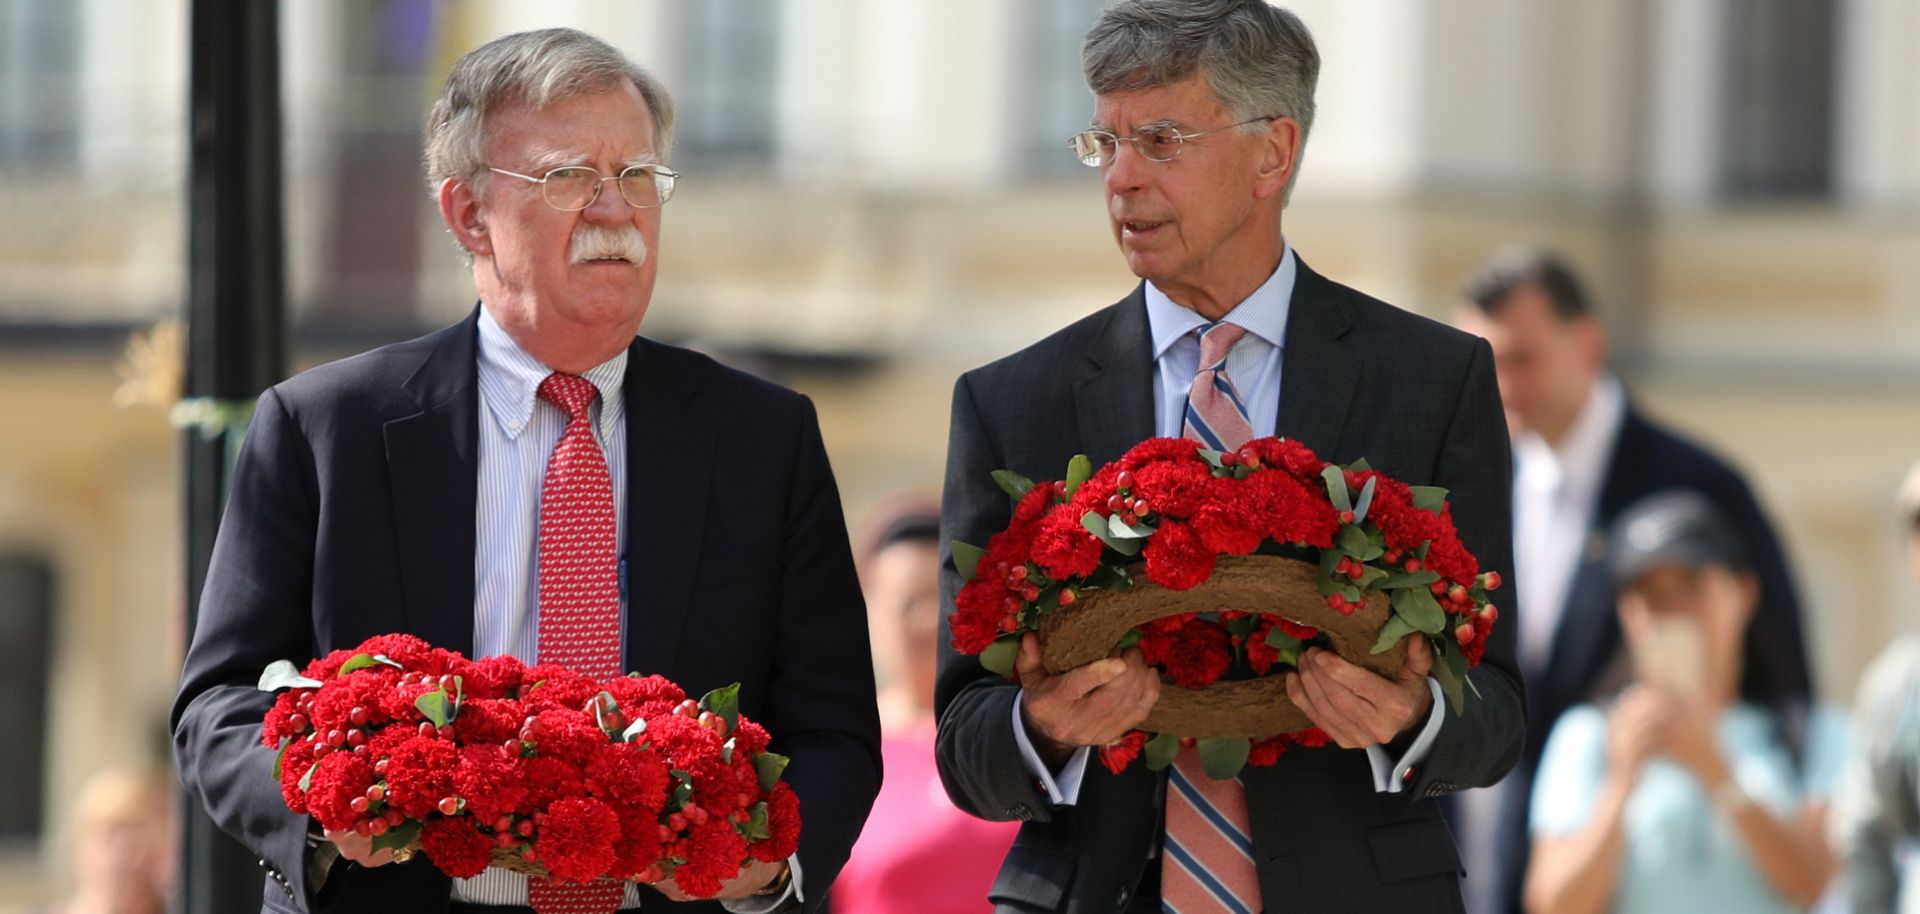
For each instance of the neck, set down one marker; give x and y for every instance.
(1221, 291)
(1555, 429)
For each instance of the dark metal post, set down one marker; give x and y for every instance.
(236, 337)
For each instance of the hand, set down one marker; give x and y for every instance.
(1636, 728)
(1691, 739)
(1091, 705)
(753, 877)
(359, 848)
(1358, 707)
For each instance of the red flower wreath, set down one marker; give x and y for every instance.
(1179, 507)
(490, 762)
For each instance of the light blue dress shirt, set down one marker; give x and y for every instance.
(1254, 365)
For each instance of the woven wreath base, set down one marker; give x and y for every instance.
(1086, 631)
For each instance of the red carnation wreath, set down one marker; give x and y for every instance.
(1217, 565)
(490, 762)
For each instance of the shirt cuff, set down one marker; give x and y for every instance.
(762, 904)
(1392, 777)
(1062, 787)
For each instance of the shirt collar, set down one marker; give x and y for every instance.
(511, 379)
(1263, 314)
(1580, 461)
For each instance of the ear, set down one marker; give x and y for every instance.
(1280, 157)
(460, 209)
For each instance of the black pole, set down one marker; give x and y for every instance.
(235, 332)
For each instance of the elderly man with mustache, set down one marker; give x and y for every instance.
(538, 480)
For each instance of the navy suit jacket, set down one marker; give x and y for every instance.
(1585, 659)
(352, 513)
(1360, 378)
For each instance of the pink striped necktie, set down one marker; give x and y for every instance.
(1206, 862)
(1216, 416)
(579, 590)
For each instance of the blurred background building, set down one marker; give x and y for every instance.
(878, 196)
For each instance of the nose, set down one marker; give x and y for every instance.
(1126, 172)
(608, 207)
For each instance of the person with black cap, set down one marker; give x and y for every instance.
(1699, 787)
(1876, 810)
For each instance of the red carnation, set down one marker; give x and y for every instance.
(1174, 488)
(1268, 751)
(456, 847)
(1199, 655)
(714, 854)
(569, 734)
(634, 691)
(1063, 548)
(550, 779)
(492, 785)
(419, 774)
(576, 838)
(633, 779)
(1120, 753)
(553, 687)
(293, 766)
(1154, 449)
(1176, 558)
(783, 822)
(340, 777)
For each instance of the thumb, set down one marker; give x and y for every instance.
(1027, 665)
(1419, 658)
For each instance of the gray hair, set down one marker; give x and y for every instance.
(1259, 60)
(533, 68)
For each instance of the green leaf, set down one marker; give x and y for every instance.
(436, 706)
(1329, 570)
(635, 729)
(282, 674)
(397, 837)
(1391, 633)
(769, 766)
(1350, 593)
(1161, 749)
(603, 704)
(1353, 541)
(1399, 579)
(358, 662)
(1337, 488)
(1097, 525)
(999, 655)
(281, 756)
(1420, 609)
(1212, 457)
(724, 701)
(726, 751)
(1079, 470)
(1110, 577)
(1429, 498)
(966, 559)
(1223, 758)
(682, 792)
(1371, 578)
(1015, 485)
(1366, 500)
(306, 780)
(1121, 530)
(1360, 466)
(756, 828)
(1129, 640)
(1451, 671)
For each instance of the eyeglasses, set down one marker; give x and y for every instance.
(572, 188)
(1160, 143)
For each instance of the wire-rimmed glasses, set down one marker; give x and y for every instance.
(572, 188)
(1156, 142)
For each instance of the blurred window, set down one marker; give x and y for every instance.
(39, 83)
(1778, 122)
(26, 615)
(1053, 102)
(726, 100)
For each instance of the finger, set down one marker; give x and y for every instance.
(1419, 659)
(1323, 714)
(1027, 663)
(1368, 685)
(1375, 711)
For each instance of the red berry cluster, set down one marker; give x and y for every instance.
(477, 762)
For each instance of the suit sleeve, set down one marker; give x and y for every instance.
(1478, 746)
(820, 699)
(255, 608)
(976, 750)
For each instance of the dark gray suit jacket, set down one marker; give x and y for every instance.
(1359, 378)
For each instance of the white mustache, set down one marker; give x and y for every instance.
(595, 242)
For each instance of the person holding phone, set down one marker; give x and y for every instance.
(1697, 787)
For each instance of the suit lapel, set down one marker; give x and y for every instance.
(1318, 368)
(670, 447)
(433, 475)
(1113, 399)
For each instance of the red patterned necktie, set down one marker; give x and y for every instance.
(1206, 862)
(579, 590)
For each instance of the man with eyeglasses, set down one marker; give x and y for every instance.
(1202, 109)
(539, 481)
